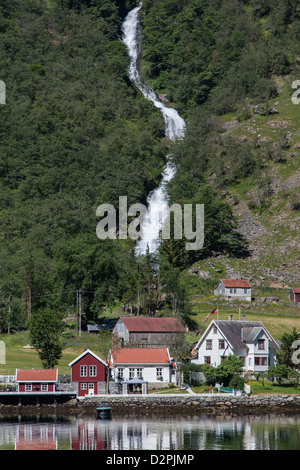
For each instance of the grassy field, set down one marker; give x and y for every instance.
(19, 354)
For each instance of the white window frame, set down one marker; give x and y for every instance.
(93, 371)
(44, 387)
(83, 386)
(28, 387)
(83, 371)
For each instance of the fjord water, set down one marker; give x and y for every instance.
(270, 432)
(174, 129)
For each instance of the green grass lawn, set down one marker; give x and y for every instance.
(273, 388)
(257, 388)
(19, 354)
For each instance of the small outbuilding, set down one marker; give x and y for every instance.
(295, 295)
(36, 380)
(135, 385)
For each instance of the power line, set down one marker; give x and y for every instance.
(58, 293)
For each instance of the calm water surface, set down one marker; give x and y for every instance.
(272, 432)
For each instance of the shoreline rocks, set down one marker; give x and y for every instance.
(165, 404)
(197, 404)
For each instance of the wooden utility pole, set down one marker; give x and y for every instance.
(29, 302)
(79, 312)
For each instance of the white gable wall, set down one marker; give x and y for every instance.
(215, 353)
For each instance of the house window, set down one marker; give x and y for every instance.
(44, 387)
(139, 373)
(215, 330)
(261, 361)
(28, 387)
(207, 360)
(245, 291)
(131, 373)
(93, 371)
(159, 373)
(120, 373)
(261, 344)
(221, 344)
(83, 371)
(83, 386)
(209, 344)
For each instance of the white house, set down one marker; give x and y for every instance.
(249, 340)
(152, 365)
(234, 289)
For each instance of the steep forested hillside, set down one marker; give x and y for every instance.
(228, 66)
(75, 133)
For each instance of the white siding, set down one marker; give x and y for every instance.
(255, 358)
(149, 372)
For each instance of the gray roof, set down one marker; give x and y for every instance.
(135, 380)
(91, 328)
(250, 333)
(239, 332)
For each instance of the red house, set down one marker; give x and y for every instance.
(88, 374)
(89, 436)
(295, 295)
(36, 380)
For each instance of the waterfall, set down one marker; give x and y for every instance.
(174, 129)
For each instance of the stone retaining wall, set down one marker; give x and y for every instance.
(191, 404)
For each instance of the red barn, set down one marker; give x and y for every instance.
(88, 374)
(36, 380)
(295, 295)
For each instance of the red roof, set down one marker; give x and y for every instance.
(296, 290)
(36, 375)
(162, 324)
(235, 283)
(141, 356)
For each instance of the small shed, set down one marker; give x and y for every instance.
(93, 328)
(36, 380)
(295, 295)
(88, 374)
(135, 385)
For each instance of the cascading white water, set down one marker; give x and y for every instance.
(174, 129)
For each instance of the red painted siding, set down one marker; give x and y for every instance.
(88, 360)
(36, 387)
(295, 295)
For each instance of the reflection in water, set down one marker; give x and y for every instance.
(189, 433)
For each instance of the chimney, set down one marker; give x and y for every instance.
(230, 317)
